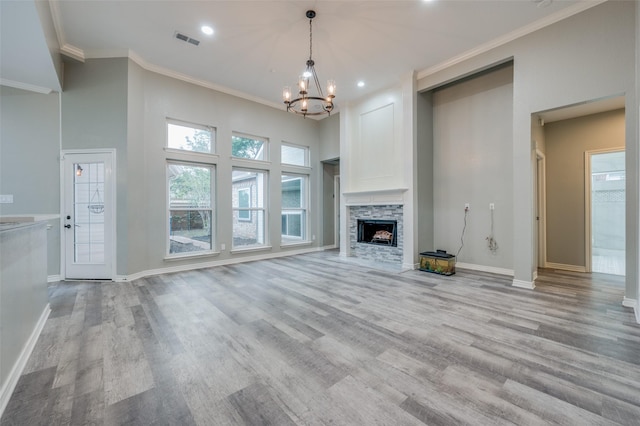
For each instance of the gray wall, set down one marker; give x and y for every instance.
(329, 171)
(29, 166)
(330, 137)
(94, 116)
(566, 143)
(588, 56)
(472, 163)
(424, 170)
(113, 103)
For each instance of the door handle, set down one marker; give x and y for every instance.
(67, 226)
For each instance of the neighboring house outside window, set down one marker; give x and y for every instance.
(249, 203)
(294, 208)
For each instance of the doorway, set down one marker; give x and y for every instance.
(88, 233)
(605, 210)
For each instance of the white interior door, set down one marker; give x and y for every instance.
(88, 233)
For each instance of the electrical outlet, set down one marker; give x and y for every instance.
(313, 238)
(8, 199)
(222, 247)
(492, 206)
(466, 207)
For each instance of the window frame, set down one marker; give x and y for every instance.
(305, 149)
(302, 211)
(211, 209)
(258, 211)
(265, 147)
(211, 129)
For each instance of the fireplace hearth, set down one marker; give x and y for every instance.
(382, 232)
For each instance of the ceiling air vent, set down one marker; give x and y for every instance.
(186, 38)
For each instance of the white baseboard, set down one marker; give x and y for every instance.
(632, 303)
(54, 278)
(563, 267)
(535, 275)
(529, 285)
(12, 379)
(483, 268)
(193, 266)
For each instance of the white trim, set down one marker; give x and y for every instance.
(410, 266)
(329, 247)
(193, 266)
(587, 201)
(541, 213)
(54, 278)
(483, 268)
(535, 275)
(529, 285)
(381, 197)
(629, 303)
(563, 267)
(12, 379)
(521, 32)
(336, 211)
(25, 86)
(111, 152)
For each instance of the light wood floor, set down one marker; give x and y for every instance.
(320, 340)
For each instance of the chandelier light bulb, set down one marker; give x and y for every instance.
(286, 94)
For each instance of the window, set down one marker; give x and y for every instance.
(190, 137)
(249, 147)
(294, 155)
(294, 208)
(190, 208)
(249, 208)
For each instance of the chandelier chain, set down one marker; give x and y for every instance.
(310, 39)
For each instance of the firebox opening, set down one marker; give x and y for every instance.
(378, 232)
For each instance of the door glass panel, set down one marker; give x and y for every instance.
(88, 206)
(608, 213)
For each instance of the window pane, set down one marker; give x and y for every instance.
(190, 210)
(250, 232)
(249, 202)
(292, 193)
(248, 147)
(189, 138)
(190, 230)
(248, 189)
(294, 203)
(189, 186)
(295, 155)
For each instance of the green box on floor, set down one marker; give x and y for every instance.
(438, 262)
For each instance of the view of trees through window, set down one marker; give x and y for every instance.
(189, 138)
(248, 147)
(190, 210)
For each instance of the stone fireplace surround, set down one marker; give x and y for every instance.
(376, 252)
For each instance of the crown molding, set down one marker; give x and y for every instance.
(25, 86)
(520, 32)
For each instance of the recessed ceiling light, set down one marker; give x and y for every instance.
(361, 84)
(206, 29)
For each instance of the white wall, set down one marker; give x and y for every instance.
(374, 144)
(584, 57)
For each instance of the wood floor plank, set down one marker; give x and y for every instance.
(319, 339)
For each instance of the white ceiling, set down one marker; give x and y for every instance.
(260, 46)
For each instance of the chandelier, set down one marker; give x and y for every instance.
(305, 104)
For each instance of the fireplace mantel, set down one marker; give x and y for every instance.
(379, 197)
